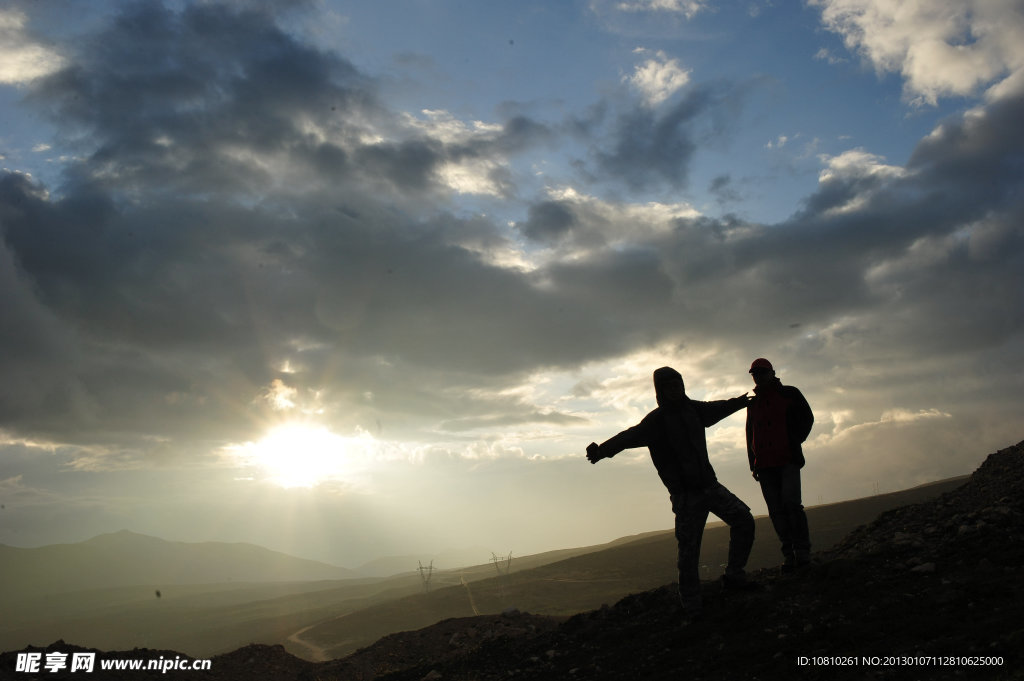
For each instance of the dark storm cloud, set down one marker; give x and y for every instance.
(918, 255)
(652, 147)
(548, 222)
(183, 100)
(38, 353)
(409, 165)
(976, 159)
(435, 303)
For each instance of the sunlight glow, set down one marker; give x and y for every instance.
(302, 455)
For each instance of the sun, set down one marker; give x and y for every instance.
(304, 455)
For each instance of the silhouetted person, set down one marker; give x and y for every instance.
(778, 421)
(674, 434)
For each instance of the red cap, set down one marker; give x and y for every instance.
(761, 363)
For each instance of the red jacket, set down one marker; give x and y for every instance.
(778, 421)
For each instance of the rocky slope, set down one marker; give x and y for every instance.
(928, 591)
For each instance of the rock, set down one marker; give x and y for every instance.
(924, 568)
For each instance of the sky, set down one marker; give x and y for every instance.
(358, 279)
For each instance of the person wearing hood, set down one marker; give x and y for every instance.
(778, 421)
(674, 435)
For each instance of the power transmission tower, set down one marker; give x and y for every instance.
(425, 575)
(503, 565)
(499, 561)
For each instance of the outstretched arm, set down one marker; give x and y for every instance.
(627, 439)
(712, 412)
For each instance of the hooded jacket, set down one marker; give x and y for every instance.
(674, 435)
(778, 421)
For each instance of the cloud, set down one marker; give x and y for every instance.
(209, 100)
(723, 189)
(576, 224)
(849, 180)
(688, 8)
(658, 78)
(548, 222)
(649, 148)
(940, 49)
(824, 54)
(23, 59)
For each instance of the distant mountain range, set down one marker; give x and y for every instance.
(126, 558)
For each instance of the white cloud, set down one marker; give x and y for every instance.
(444, 127)
(940, 48)
(857, 162)
(861, 167)
(21, 59)
(471, 175)
(658, 78)
(825, 55)
(688, 8)
(845, 428)
(614, 223)
(907, 416)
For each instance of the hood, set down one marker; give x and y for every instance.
(666, 381)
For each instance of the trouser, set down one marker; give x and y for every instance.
(780, 486)
(691, 509)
